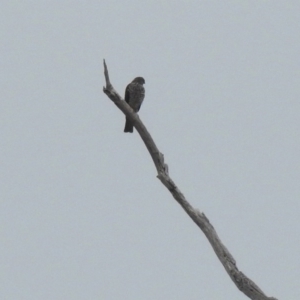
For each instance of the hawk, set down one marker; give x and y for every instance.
(134, 96)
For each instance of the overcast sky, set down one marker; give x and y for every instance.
(82, 214)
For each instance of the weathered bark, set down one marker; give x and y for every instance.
(244, 284)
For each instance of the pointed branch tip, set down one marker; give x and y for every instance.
(108, 84)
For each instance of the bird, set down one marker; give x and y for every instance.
(134, 96)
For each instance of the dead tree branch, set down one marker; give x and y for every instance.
(244, 284)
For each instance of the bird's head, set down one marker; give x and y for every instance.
(139, 80)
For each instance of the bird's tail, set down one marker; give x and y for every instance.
(128, 126)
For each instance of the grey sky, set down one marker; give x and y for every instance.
(82, 215)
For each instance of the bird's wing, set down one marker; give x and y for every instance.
(142, 96)
(127, 93)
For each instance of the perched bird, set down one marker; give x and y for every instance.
(134, 96)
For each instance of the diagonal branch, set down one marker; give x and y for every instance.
(244, 284)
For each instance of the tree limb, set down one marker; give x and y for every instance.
(244, 284)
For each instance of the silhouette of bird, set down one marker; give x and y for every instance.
(134, 96)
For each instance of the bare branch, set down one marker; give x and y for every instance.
(244, 284)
